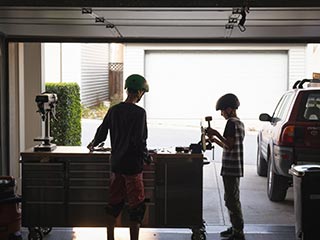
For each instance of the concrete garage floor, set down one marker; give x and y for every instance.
(257, 209)
(264, 220)
(252, 233)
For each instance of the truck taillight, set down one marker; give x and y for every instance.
(287, 136)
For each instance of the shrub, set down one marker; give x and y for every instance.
(66, 126)
(115, 99)
(94, 112)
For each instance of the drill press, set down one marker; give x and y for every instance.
(46, 103)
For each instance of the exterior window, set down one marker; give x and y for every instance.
(282, 108)
(311, 107)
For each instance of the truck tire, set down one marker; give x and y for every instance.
(262, 167)
(277, 185)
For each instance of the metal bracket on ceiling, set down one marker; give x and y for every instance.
(233, 20)
(99, 19)
(237, 17)
(86, 10)
(236, 11)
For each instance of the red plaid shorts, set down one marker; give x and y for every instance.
(126, 187)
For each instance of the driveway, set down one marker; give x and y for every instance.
(257, 209)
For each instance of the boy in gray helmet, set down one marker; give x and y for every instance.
(232, 162)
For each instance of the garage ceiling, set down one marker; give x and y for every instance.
(160, 21)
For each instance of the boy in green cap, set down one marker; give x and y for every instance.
(127, 124)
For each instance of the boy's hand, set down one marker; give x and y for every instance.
(90, 147)
(210, 132)
(148, 160)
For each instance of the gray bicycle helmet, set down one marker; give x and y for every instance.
(227, 100)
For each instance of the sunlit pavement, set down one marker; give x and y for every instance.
(253, 232)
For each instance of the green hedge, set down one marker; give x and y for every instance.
(66, 128)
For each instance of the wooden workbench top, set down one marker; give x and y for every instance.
(75, 151)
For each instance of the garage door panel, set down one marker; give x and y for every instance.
(186, 84)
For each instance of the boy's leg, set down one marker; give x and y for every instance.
(232, 202)
(137, 207)
(116, 202)
(136, 215)
(110, 231)
(113, 211)
(134, 231)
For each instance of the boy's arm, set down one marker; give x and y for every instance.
(101, 133)
(217, 138)
(217, 141)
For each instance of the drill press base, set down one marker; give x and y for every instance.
(44, 148)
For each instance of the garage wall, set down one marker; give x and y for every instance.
(4, 119)
(25, 82)
(313, 59)
(133, 60)
(33, 85)
(289, 65)
(297, 68)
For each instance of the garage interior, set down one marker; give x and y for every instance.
(194, 22)
(181, 21)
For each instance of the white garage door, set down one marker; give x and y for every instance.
(187, 84)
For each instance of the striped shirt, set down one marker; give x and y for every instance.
(232, 160)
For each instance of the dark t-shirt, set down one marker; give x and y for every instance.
(128, 134)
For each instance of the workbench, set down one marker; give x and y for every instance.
(68, 187)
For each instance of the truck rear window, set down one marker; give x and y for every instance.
(310, 107)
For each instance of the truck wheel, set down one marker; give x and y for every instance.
(199, 233)
(277, 185)
(13, 236)
(35, 234)
(262, 167)
(45, 230)
(198, 236)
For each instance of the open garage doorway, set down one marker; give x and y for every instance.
(155, 27)
(184, 86)
(184, 90)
